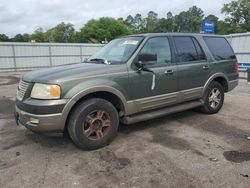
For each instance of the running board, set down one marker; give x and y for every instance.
(161, 112)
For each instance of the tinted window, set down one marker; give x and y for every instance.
(188, 49)
(159, 46)
(220, 48)
(201, 55)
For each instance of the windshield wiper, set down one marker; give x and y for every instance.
(100, 60)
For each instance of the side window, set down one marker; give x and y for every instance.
(188, 49)
(159, 46)
(220, 48)
(200, 52)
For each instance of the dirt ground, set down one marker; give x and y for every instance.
(187, 149)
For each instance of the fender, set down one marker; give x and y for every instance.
(109, 87)
(211, 78)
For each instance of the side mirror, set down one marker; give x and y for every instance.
(145, 59)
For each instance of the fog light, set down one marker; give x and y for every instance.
(34, 121)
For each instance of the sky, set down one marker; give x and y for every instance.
(25, 16)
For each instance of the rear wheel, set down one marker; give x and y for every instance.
(93, 124)
(213, 98)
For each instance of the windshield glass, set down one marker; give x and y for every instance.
(118, 50)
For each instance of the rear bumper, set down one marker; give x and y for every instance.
(232, 84)
(40, 123)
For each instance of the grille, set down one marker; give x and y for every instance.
(21, 90)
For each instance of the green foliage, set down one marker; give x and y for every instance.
(164, 25)
(21, 38)
(4, 38)
(238, 14)
(103, 29)
(189, 21)
(135, 24)
(38, 36)
(61, 33)
(152, 20)
(212, 18)
(225, 28)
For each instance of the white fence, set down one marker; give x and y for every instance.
(241, 45)
(21, 56)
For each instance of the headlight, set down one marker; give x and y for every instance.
(45, 91)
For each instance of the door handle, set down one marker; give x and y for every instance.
(168, 72)
(205, 67)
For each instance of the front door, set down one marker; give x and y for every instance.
(157, 91)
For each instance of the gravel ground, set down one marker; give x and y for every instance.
(187, 149)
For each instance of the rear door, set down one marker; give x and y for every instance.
(193, 67)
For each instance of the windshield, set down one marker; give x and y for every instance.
(118, 50)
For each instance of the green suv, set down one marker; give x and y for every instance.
(131, 79)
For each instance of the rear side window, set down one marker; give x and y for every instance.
(188, 49)
(220, 48)
(201, 55)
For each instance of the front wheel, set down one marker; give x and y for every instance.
(93, 124)
(213, 98)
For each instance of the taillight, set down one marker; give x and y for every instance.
(236, 68)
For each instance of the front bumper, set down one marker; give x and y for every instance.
(40, 123)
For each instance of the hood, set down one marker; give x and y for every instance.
(55, 74)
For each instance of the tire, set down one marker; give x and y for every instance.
(93, 124)
(213, 104)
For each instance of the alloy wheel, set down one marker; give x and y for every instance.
(97, 124)
(214, 98)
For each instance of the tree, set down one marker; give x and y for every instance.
(135, 24)
(189, 21)
(4, 38)
(39, 36)
(238, 13)
(169, 15)
(225, 28)
(196, 17)
(165, 25)
(140, 23)
(212, 18)
(21, 38)
(103, 29)
(129, 22)
(152, 20)
(61, 33)
(181, 22)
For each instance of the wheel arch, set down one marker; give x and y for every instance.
(110, 94)
(219, 77)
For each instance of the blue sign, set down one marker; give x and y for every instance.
(208, 26)
(244, 65)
